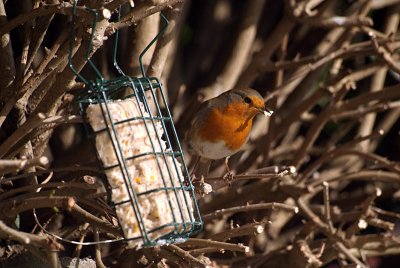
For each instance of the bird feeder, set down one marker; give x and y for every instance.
(138, 148)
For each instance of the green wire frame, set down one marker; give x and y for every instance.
(103, 91)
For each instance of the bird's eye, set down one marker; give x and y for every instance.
(247, 100)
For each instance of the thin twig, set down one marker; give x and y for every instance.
(262, 206)
(103, 225)
(99, 261)
(197, 242)
(45, 10)
(16, 165)
(367, 175)
(362, 111)
(72, 169)
(142, 10)
(327, 205)
(244, 230)
(385, 55)
(341, 248)
(194, 262)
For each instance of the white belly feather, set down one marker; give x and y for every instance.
(212, 150)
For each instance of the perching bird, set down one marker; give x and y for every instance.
(222, 125)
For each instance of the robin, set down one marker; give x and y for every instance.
(222, 125)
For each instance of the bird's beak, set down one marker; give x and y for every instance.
(266, 111)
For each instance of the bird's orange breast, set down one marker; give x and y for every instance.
(231, 125)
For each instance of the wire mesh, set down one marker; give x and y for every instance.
(164, 149)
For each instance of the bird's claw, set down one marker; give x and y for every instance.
(228, 177)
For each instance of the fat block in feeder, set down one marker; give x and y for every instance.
(160, 201)
(153, 203)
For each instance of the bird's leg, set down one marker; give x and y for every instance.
(198, 184)
(228, 177)
(227, 165)
(201, 167)
(194, 167)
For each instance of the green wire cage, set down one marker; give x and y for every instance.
(138, 148)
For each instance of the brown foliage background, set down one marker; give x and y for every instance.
(329, 69)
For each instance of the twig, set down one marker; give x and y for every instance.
(6, 109)
(83, 231)
(343, 150)
(53, 259)
(362, 111)
(42, 25)
(99, 261)
(142, 10)
(51, 54)
(385, 125)
(45, 10)
(194, 262)
(386, 94)
(32, 242)
(77, 168)
(28, 238)
(316, 128)
(37, 86)
(361, 222)
(105, 226)
(298, 83)
(20, 133)
(310, 258)
(378, 4)
(327, 211)
(27, 32)
(341, 248)
(338, 21)
(269, 47)
(379, 175)
(313, 62)
(305, 208)
(112, 5)
(244, 230)
(58, 185)
(385, 55)
(138, 37)
(7, 66)
(386, 213)
(279, 76)
(304, 15)
(161, 50)
(54, 91)
(341, 88)
(8, 165)
(262, 206)
(347, 38)
(25, 129)
(385, 225)
(305, 105)
(241, 49)
(11, 208)
(271, 170)
(197, 242)
(9, 233)
(250, 176)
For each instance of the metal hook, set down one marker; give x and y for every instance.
(144, 50)
(90, 45)
(115, 63)
(152, 42)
